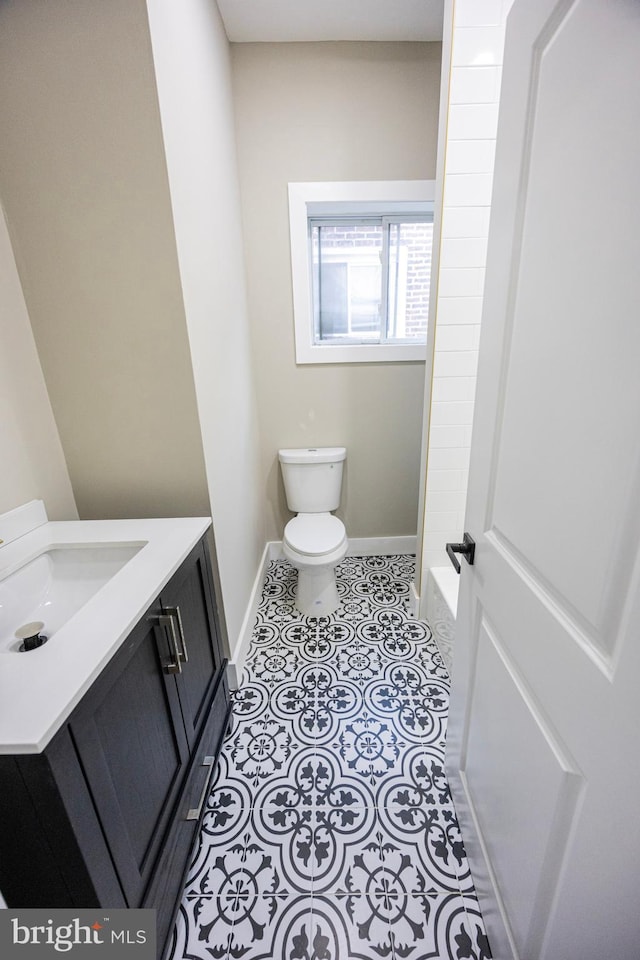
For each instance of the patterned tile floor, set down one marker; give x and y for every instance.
(330, 833)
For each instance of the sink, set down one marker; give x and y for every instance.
(54, 584)
(83, 585)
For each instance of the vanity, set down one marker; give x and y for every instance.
(110, 730)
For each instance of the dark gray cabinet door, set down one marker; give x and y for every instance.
(131, 741)
(136, 731)
(189, 599)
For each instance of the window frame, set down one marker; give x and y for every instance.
(393, 199)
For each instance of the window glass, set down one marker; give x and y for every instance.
(370, 280)
(409, 280)
(347, 272)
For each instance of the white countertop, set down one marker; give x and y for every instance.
(38, 690)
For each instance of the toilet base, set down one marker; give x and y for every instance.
(317, 593)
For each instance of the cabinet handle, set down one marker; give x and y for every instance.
(175, 612)
(194, 813)
(162, 620)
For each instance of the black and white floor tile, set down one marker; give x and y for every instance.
(330, 833)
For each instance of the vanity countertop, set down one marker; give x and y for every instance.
(39, 689)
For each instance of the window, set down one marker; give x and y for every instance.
(361, 260)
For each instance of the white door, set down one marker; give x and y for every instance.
(544, 738)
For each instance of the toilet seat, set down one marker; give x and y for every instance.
(314, 534)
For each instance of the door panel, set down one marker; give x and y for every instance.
(134, 759)
(191, 591)
(533, 791)
(140, 747)
(542, 741)
(564, 329)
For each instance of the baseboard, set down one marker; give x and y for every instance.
(239, 653)
(415, 601)
(275, 550)
(380, 546)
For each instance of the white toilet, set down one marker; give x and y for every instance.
(314, 541)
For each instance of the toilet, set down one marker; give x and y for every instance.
(314, 541)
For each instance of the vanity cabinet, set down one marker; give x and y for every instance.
(107, 814)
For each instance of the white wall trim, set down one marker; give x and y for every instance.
(415, 600)
(275, 550)
(443, 114)
(380, 546)
(241, 648)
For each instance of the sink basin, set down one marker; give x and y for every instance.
(53, 585)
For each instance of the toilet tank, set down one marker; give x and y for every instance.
(312, 478)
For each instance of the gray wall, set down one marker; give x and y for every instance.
(84, 185)
(33, 466)
(193, 75)
(331, 111)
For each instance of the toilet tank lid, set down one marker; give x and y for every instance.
(313, 455)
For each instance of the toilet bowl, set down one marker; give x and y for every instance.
(315, 540)
(314, 543)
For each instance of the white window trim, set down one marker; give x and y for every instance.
(328, 199)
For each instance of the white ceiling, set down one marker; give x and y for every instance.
(248, 21)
